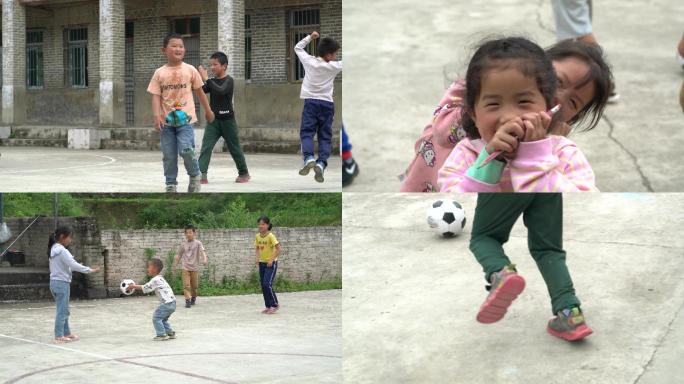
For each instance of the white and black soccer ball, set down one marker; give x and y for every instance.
(446, 217)
(125, 283)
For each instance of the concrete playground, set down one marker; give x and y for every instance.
(26, 169)
(410, 297)
(401, 55)
(222, 339)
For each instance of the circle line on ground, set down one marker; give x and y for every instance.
(111, 160)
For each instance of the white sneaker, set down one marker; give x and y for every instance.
(318, 169)
(308, 165)
(195, 184)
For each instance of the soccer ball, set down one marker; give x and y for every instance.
(125, 284)
(447, 217)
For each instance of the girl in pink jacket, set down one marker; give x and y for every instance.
(511, 84)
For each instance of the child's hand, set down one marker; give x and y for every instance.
(210, 116)
(203, 73)
(270, 263)
(506, 137)
(314, 35)
(94, 269)
(158, 123)
(536, 126)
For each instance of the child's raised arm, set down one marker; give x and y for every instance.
(300, 48)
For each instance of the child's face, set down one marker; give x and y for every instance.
(505, 94)
(573, 91)
(263, 227)
(174, 51)
(152, 270)
(217, 68)
(190, 234)
(66, 240)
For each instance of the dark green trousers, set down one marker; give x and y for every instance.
(542, 214)
(228, 130)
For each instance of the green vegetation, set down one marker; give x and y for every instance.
(159, 211)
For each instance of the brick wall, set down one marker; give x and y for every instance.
(308, 253)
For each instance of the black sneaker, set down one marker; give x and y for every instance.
(187, 304)
(349, 171)
(171, 335)
(192, 301)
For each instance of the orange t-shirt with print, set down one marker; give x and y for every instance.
(175, 86)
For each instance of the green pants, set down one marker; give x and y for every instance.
(228, 130)
(542, 214)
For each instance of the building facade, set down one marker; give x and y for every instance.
(85, 65)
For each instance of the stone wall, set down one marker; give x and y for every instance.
(86, 247)
(309, 254)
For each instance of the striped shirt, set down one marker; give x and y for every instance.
(554, 164)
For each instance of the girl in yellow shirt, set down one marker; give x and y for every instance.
(267, 250)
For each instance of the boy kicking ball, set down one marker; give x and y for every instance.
(319, 109)
(160, 318)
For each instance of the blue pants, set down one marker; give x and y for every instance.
(346, 145)
(178, 141)
(266, 276)
(160, 318)
(317, 119)
(61, 291)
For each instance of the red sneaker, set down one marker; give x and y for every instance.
(243, 179)
(569, 325)
(506, 286)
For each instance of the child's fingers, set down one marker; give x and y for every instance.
(545, 119)
(515, 128)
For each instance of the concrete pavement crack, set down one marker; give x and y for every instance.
(658, 344)
(644, 180)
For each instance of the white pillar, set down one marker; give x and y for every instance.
(13, 62)
(231, 35)
(112, 53)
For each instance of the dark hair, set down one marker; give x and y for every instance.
(220, 57)
(327, 45)
(189, 226)
(265, 220)
(157, 263)
(517, 52)
(57, 235)
(170, 36)
(599, 73)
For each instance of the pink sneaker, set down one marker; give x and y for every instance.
(72, 337)
(62, 340)
(243, 179)
(266, 310)
(506, 286)
(271, 311)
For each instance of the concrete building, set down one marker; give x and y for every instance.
(75, 72)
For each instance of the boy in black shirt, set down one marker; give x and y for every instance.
(220, 89)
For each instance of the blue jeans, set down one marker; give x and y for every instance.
(177, 141)
(317, 119)
(61, 291)
(160, 318)
(266, 276)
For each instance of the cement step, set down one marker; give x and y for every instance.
(25, 292)
(39, 132)
(20, 275)
(33, 142)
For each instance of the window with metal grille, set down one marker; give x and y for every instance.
(248, 47)
(34, 59)
(300, 24)
(76, 57)
(129, 75)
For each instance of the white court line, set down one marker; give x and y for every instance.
(58, 347)
(111, 161)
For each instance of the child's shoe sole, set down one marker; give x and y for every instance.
(578, 333)
(306, 168)
(319, 174)
(497, 303)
